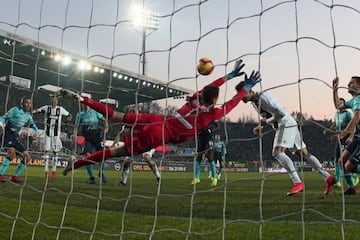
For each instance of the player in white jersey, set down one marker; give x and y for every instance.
(52, 126)
(287, 135)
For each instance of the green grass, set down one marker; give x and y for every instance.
(174, 211)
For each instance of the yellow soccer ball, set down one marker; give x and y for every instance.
(205, 66)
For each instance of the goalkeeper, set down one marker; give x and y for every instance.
(154, 130)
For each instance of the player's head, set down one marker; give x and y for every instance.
(217, 137)
(210, 95)
(342, 100)
(86, 107)
(26, 103)
(249, 96)
(54, 100)
(354, 85)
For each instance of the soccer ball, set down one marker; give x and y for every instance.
(205, 66)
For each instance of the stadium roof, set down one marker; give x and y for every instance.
(34, 65)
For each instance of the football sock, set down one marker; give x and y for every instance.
(124, 174)
(212, 168)
(55, 159)
(154, 169)
(101, 172)
(197, 168)
(338, 172)
(46, 156)
(349, 179)
(90, 170)
(21, 167)
(288, 164)
(315, 164)
(4, 166)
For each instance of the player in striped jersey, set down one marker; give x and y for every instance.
(53, 114)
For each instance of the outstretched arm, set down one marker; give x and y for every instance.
(338, 104)
(241, 92)
(39, 110)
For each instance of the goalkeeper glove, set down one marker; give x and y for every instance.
(236, 72)
(252, 80)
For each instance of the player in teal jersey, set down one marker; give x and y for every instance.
(219, 154)
(89, 120)
(12, 122)
(341, 120)
(351, 155)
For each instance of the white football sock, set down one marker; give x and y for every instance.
(315, 164)
(288, 164)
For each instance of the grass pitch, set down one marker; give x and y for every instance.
(242, 206)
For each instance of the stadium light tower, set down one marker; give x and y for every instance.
(147, 22)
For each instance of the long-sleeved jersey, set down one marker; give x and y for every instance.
(192, 117)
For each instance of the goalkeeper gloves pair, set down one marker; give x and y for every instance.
(249, 81)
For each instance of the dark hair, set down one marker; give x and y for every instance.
(26, 97)
(342, 99)
(239, 86)
(208, 93)
(356, 78)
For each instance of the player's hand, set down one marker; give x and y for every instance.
(236, 72)
(252, 80)
(335, 83)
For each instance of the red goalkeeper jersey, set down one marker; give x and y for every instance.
(154, 130)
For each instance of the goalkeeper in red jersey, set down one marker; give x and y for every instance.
(153, 130)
